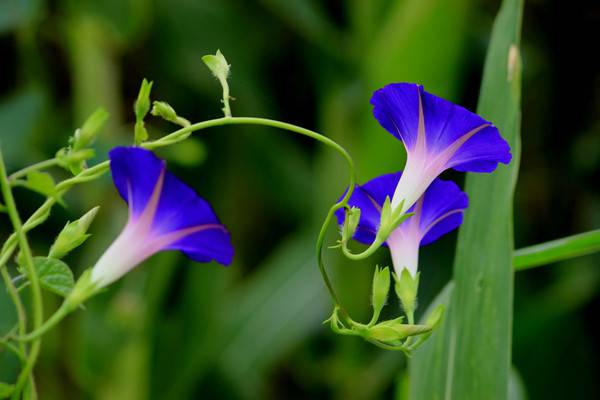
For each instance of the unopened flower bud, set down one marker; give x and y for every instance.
(72, 235)
(381, 288)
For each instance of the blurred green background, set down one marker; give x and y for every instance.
(173, 329)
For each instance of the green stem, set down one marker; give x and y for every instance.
(36, 294)
(225, 86)
(34, 167)
(14, 295)
(50, 323)
(366, 253)
(184, 133)
(557, 250)
(12, 348)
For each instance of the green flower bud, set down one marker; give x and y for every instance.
(164, 110)
(142, 103)
(390, 331)
(406, 289)
(351, 223)
(91, 127)
(381, 288)
(72, 235)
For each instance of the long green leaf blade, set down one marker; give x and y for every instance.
(470, 355)
(483, 273)
(557, 250)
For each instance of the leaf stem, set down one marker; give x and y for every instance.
(34, 167)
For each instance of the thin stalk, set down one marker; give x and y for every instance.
(50, 323)
(36, 294)
(21, 317)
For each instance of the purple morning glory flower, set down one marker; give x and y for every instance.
(438, 211)
(164, 214)
(437, 135)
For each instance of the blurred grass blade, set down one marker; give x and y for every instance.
(483, 273)
(429, 367)
(260, 321)
(557, 250)
(470, 357)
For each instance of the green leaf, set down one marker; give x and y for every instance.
(6, 390)
(557, 250)
(41, 182)
(54, 275)
(472, 359)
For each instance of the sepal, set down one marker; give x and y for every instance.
(83, 290)
(391, 218)
(406, 288)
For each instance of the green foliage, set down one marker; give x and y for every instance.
(471, 359)
(54, 275)
(557, 250)
(41, 182)
(254, 330)
(6, 390)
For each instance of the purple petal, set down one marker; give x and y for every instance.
(180, 212)
(135, 171)
(180, 208)
(482, 152)
(205, 246)
(441, 211)
(396, 107)
(370, 198)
